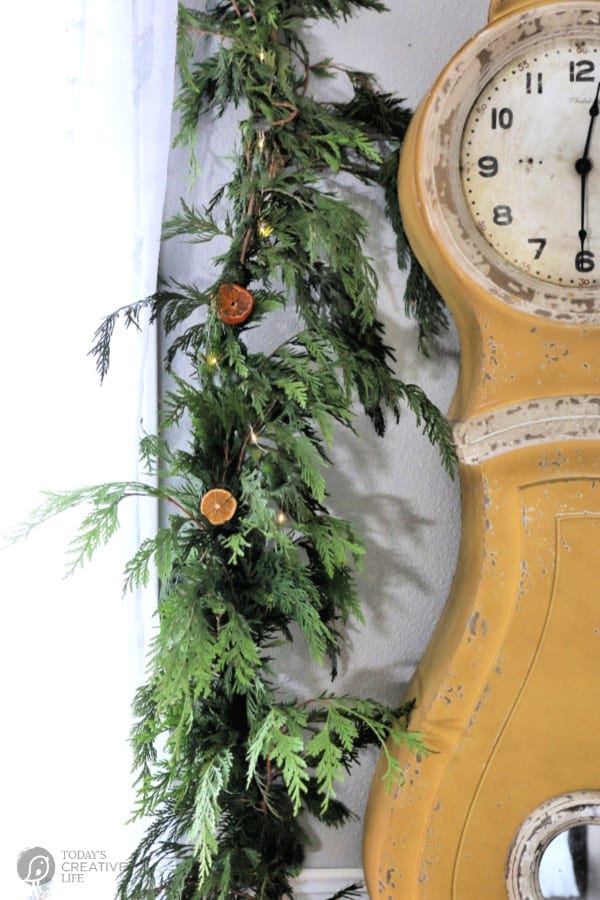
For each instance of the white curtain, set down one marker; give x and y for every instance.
(87, 88)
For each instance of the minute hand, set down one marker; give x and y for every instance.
(583, 166)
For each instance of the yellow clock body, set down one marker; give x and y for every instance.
(500, 194)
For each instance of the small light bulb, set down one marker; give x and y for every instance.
(212, 360)
(264, 229)
(253, 438)
(261, 56)
(261, 141)
(281, 517)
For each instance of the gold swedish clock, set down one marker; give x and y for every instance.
(500, 195)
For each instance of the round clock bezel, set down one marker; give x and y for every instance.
(440, 140)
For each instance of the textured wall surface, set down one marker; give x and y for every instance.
(393, 489)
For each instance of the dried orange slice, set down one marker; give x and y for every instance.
(218, 506)
(234, 303)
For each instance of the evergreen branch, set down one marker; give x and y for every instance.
(423, 301)
(224, 766)
(331, 9)
(103, 335)
(212, 780)
(279, 738)
(352, 890)
(100, 524)
(200, 228)
(434, 425)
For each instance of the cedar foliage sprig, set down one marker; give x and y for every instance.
(226, 761)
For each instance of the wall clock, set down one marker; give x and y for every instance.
(500, 193)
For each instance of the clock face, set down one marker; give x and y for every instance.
(530, 161)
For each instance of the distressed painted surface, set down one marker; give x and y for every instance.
(536, 421)
(506, 691)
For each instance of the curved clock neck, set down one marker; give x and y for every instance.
(502, 7)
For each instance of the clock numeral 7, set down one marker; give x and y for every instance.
(541, 242)
(584, 261)
(582, 70)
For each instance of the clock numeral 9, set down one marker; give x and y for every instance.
(584, 261)
(582, 70)
(502, 118)
(488, 166)
(503, 215)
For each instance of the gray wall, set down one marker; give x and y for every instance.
(393, 489)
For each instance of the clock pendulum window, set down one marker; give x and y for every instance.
(500, 194)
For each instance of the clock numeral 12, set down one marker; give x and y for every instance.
(582, 70)
(539, 82)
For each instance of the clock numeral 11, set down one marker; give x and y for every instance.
(531, 82)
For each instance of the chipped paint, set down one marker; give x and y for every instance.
(538, 421)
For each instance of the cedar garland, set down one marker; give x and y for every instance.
(250, 555)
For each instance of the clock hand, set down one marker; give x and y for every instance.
(583, 167)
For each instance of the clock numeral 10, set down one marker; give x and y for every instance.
(582, 70)
(584, 261)
(538, 82)
(502, 118)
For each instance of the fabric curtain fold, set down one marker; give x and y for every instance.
(89, 90)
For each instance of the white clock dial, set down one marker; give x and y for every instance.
(530, 162)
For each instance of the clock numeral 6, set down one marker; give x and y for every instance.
(488, 166)
(502, 118)
(503, 215)
(584, 261)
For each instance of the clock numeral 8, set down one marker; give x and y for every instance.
(503, 215)
(584, 261)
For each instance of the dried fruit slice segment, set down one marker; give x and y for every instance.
(218, 506)
(234, 303)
